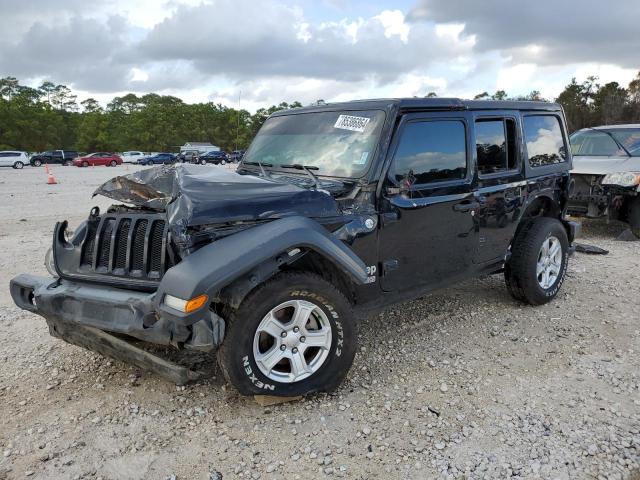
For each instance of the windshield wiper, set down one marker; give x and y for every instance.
(307, 169)
(261, 165)
(614, 139)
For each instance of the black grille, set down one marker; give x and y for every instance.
(127, 245)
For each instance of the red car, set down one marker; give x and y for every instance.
(98, 158)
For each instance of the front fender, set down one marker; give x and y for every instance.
(216, 265)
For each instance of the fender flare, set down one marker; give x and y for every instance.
(220, 263)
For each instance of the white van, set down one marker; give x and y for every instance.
(13, 159)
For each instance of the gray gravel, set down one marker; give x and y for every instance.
(464, 383)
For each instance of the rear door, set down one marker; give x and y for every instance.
(500, 185)
(427, 235)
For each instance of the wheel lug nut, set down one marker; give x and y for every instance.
(294, 350)
(283, 347)
(296, 329)
(283, 334)
(302, 339)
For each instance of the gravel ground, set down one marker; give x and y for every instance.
(464, 383)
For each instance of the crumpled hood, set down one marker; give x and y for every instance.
(603, 165)
(198, 195)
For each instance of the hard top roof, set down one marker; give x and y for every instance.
(428, 104)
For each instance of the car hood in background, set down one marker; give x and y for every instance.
(194, 195)
(603, 165)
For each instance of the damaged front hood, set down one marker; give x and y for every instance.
(195, 195)
(588, 165)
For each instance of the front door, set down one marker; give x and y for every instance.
(428, 207)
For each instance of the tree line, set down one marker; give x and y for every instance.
(49, 116)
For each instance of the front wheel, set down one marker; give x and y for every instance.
(85, 164)
(538, 264)
(223, 162)
(293, 335)
(203, 161)
(37, 163)
(113, 163)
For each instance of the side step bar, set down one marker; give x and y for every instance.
(118, 349)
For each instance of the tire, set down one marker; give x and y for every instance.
(203, 161)
(331, 310)
(150, 163)
(222, 162)
(67, 163)
(37, 163)
(634, 216)
(85, 164)
(113, 163)
(18, 165)
(521, 271)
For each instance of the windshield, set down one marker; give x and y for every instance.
(606, 143)
(340, 144)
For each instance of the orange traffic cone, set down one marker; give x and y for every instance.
(51, 180)
(46, 168)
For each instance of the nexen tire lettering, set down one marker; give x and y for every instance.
(253, 378)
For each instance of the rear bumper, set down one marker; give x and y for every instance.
(114, 310)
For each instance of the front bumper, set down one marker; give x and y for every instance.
(115, 310)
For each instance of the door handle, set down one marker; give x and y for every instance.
(465, 207)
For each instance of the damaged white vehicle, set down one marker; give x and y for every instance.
(606, 174)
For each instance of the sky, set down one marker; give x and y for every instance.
(264, 52)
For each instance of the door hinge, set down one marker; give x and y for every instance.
(389, 266)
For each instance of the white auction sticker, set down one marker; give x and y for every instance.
(355, 124)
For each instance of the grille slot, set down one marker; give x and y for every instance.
(126, 246)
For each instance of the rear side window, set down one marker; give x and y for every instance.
(544, 140)
(433, 151)
(495, 145)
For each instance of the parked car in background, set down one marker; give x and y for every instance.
(606, 174)
(189, 156)
(62, 157)
(13, 159)
(236, 156)
(97, 159)
(218, 157)
(160, 158)
(133, 156)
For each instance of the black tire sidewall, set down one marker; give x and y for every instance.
(237, 350)
(37, 163)
(634, 216)
(540, 231)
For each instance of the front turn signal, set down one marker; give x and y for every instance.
(186, 306)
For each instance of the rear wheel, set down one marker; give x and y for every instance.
(634, 216)
(293, 335)
(538, 264)
(18, 165)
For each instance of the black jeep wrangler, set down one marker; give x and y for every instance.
(334, 211)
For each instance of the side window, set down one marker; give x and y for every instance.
(430, 151)
(543, 136)
(495, 145)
